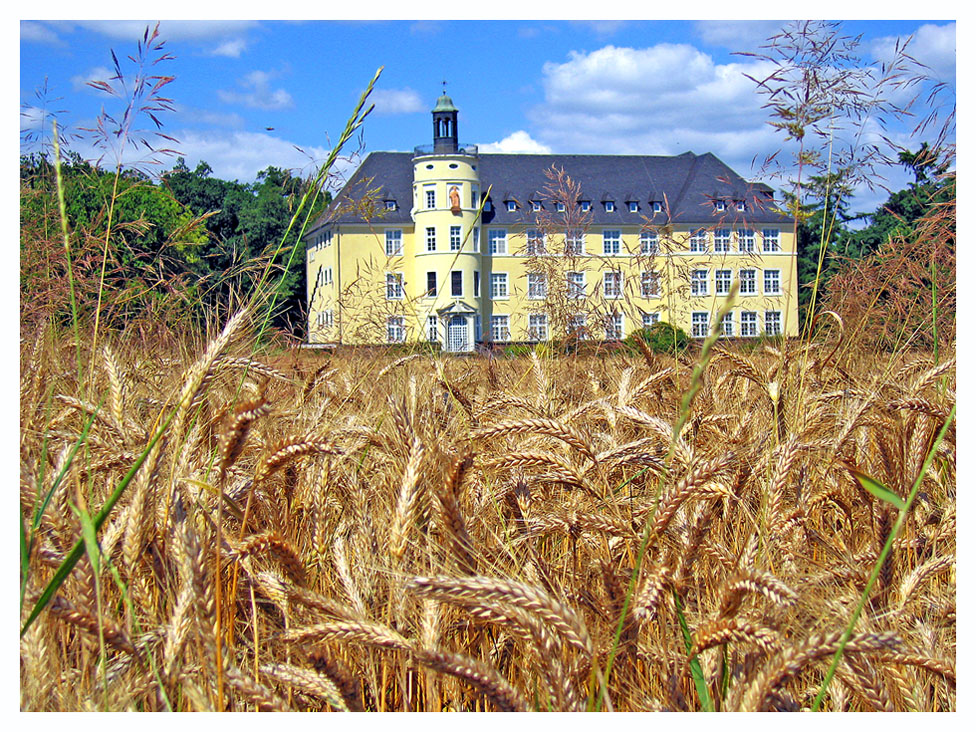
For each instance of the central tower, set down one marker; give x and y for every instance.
(447, 226)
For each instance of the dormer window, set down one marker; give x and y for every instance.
(390, 205)
(720, 205)
(487, 206)
(511, 205)
(584, 205)
(608, 205)
(740, 205)
(633, 206)
(536, 206)
(560, 207)
(656, 206)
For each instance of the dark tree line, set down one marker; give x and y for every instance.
(187, 245)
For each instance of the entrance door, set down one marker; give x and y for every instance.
(457, 334)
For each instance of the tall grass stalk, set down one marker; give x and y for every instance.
(67, 253)
(683, 415)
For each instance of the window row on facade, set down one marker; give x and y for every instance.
(702, 241)
(612, 284)
(751, 324)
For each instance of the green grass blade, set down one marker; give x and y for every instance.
(78, 549)
(876, 572)
(878, 490)
(697, 675)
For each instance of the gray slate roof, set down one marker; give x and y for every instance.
(689, 184)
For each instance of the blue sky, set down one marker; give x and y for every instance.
(250, 94)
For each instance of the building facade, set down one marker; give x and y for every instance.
(459, 248)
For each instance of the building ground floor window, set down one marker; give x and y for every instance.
(395, 331)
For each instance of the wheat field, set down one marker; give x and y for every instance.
(425, 533)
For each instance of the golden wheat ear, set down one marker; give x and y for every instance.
(230, 444)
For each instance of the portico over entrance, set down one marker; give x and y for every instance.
(457, 327)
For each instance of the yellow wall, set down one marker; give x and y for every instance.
(358, 295)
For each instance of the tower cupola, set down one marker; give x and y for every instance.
(445, 125)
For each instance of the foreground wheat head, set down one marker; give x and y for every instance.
(417, 534)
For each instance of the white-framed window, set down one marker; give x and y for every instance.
(720, 205)
(726, 326)
(430, 197)
(656, 206)
(613, 284)
(608, 206)
(394, 242)
(649, 320)
(431, 239)
(395, 332)
(723, 240)
(497, 241)
(390, 205)
(324, 276)
(723, 281)
(577, 325)
(770, 240)
(431, 284)
(477, 328)
(499, 285)
(773, 322)
(457, 283)
(699, 282)
(614, 326)
(455, 238)
(584, 205)
(536, 205)
(538, 327)
(537, 286)
(535, 242)
(432, 329)
(633, 206)
(560, 206)
(324, 318)
(740, 205)
(648, 243)
(511, 205)
(747, 240)
(649, 284)
(699, 325)
(474, 198)
(576, 285)
(394, 285)
(748, 324)
(747, 282)
(611, 241)
(574, 242)
(477, 283)
(698, 242)
(476, 239)
(499, 328)
(771, 283)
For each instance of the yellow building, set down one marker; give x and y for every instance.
(460, 248)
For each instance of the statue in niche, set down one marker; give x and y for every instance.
(455, 200)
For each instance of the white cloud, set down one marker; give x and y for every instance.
(38, 32)
(231, 49)
(738, 35)
(241, 155)
(664, 99)
(258, 93)
(602, 28)
(79, 82)
(517, 142)
(932, 45)
(171, 30)
(396, 101)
